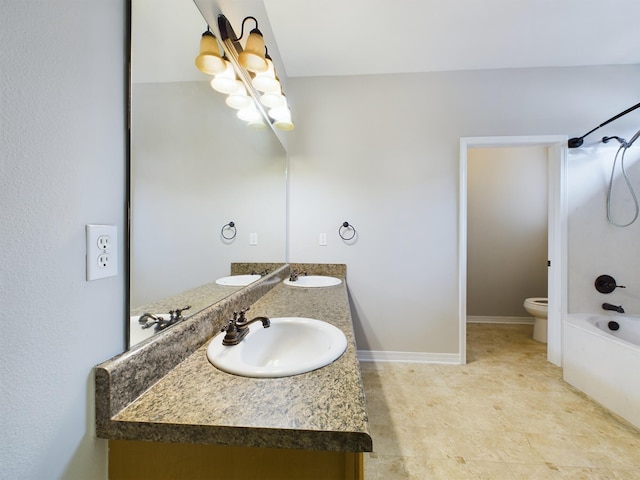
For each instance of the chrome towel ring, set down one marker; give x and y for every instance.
(344, 230)
(233, 231)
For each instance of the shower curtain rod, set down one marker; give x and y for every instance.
(577, 141)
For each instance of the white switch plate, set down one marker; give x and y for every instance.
(253, 239)
(102, 251)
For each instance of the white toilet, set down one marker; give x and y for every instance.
(537, 308)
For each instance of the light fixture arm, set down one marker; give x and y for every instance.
(242, 27)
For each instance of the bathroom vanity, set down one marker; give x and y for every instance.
(169, 413)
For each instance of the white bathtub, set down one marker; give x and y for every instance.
(606, 367)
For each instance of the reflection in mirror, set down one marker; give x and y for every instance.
(194, 168)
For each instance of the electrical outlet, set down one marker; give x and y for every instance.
(253, 239)
(104, 242)
(322, 239)
(102, 251)
(104, 260)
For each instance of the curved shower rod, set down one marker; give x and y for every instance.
(577, 141)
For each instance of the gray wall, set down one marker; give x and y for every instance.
(507, 229)
(382, 152)
(196, 167)
(62, 157)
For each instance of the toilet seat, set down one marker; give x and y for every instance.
(539, 301)
(538, 307)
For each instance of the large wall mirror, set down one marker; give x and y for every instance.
(194, 168)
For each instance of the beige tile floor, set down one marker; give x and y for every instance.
(507, 414)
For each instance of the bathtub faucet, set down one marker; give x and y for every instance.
(614, 308)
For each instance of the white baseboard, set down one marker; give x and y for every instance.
(508, 320)
(408, 357)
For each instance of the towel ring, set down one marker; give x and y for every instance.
(346, 225)
(229, 226)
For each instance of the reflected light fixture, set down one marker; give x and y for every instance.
(239, 99)
(247, 75)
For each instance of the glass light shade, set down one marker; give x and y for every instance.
(266, 81)
(250, 114)
(252, 57)
(239, 98)
(282, 117)
(280, 113)
(209, 60)
(273, 99)
(283, 122)
(226, 81)
(257, 125)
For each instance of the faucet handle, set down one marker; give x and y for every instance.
(233, 335)
(607, 284)
(241, 317)
(177, 313)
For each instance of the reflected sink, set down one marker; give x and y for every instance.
(290, 346)
(137, 333)
(237, 280)
(314, 281)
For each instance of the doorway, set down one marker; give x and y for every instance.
(557, 214)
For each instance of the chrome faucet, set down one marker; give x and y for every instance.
(295, 274)
(238, 327)
(148, 320)
(614, 308)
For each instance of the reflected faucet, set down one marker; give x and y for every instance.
(148, 320)
(295, 274)
(238, 327)
(614, 308)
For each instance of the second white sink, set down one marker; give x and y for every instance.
(313, 281)
(237, 280)
(290, 346)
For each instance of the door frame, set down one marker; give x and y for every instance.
(557, 233)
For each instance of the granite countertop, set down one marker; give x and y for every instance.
(319, 410)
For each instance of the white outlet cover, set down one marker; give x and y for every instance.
(102, 251)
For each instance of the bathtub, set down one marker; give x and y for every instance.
(602, 363)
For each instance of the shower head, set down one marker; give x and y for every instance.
(622, 141)
(633, 139)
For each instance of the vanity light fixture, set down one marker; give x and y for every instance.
(257, 94)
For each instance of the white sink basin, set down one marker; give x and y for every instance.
(314, 281)
(290, 346)
(237, 280)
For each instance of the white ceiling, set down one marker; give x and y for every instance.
(352, 37)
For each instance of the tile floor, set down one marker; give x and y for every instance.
(507, 414)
